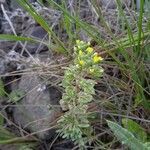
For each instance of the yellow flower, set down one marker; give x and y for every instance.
(81, 62)
(75, 48)
(77, 66)
(80, 53)
(79, 42)
(88, 44)
(89, 49)
(92, 70)
(97, 58)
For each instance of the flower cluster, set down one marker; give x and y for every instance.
(87, 60)
(79, 90)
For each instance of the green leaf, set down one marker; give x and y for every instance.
(16, 95)
(147, 144)
(135, 129)
(85, 98)
(87, 85)
(126, 137)
(98, 71)
(70, 91)
(68, 78)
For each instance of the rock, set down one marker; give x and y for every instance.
(33, 113)
(20, 20)
(15, 5)
(6, 4)
(1, 18)
(3, 99)
(8, 62)
(37, 33)
(2, 62)
(25, 25)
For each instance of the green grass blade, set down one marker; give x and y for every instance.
(2, 90)
(140, 25)
(91, 31)
(6, 37)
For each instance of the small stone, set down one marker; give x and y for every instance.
(33, 113)
(40, 34)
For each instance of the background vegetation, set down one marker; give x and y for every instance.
(121, 102)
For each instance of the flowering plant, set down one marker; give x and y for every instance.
(79, 84)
